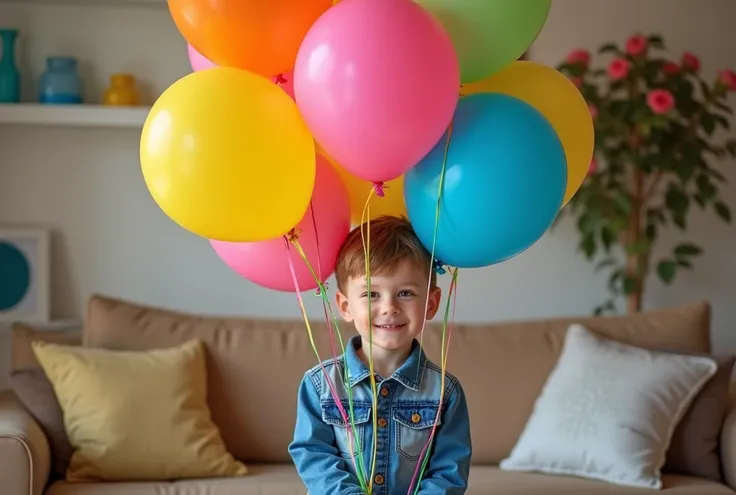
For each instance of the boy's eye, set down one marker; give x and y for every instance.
(373, 295)
(406, 293)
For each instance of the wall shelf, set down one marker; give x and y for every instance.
(73, 115)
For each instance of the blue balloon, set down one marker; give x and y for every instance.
(504, 184)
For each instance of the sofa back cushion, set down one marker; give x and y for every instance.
(255, 365)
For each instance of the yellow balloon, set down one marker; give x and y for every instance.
(557, 98)
(226, 155)
(392, 203)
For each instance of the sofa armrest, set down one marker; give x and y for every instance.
(728, 440)
(24, 450)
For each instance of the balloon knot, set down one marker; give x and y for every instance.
(462, 91)
(293, 235)
(379, 187)
(280, 79)
(323, 286)
(439, 267)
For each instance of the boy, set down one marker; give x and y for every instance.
(331, 455)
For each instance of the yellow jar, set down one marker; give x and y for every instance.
(122, 91)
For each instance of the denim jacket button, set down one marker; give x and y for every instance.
(415, 418)
(379, 479)
(382, 423)
(384, 391)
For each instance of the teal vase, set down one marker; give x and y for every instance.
(9, 74)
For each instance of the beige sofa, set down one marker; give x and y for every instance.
(503, 367)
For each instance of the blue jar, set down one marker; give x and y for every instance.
(61, 83)
(9, 73)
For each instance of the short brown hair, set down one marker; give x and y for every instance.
(392, 240)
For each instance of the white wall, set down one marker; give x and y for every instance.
(104, 217)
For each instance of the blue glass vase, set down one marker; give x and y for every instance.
(61, 83)
(9, 73)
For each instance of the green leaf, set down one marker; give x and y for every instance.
(709, 123)
(606, 306)
(723, 107)
(604, 264)
(723, 211)
(684, 263)
(630, 285)
(678, 203)
(666, 270)
(722, 121)
(609, 48)
(687, 249)
(651, 232)
(656, 41)
(588, 245)
(608, 237)
(706, 188)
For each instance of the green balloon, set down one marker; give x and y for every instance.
(489, 34)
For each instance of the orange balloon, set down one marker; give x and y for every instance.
(392, 202)
(261, 36)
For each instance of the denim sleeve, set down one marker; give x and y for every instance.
(318, 462)
(449, 467)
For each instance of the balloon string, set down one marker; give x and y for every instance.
(321, 282)
(436, 265)
(366, 238)
(452, 297)
(292, 238)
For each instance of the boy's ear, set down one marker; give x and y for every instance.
(435, 296)
(343, 306)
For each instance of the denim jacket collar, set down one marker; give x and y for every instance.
(409, 374)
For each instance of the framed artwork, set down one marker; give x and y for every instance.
(24, 275)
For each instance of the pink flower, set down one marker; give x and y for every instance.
(670, 68)
(660, 101)
(618, 68)
(593, 167)
(593, 111)
(579, 56)
(636, 45)
(690, 61)
(728, 79)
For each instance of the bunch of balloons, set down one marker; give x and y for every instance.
(297, 109)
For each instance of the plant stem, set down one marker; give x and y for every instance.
(636, 260)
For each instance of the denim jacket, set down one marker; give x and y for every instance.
(407, 409)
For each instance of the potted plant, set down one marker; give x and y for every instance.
(658, 155)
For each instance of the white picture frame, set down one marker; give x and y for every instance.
(25, 272)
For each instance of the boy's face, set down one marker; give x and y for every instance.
(398, 305)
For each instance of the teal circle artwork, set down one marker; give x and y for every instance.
(15, 276)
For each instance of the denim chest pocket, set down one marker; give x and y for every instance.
(350, 436)
(414, 422)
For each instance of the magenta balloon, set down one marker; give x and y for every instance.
(266, 262)
(377, 82)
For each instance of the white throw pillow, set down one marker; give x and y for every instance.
(608, 411)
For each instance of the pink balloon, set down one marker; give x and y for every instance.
(377, 82)
(266, 263)
(197, 60)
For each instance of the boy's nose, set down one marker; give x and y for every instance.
(389, 307)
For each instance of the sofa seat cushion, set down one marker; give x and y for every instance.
(281, 479)
(494, 481)
(264, 479)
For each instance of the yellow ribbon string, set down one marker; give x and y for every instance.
(366, 238)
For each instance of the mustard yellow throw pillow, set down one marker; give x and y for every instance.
(137, 415)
